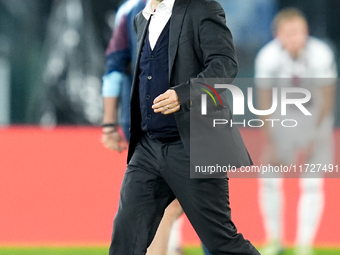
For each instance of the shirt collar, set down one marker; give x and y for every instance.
(147, 12)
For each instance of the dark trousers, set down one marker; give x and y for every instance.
(157, 174)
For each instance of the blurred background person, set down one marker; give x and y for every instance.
(120, 63)
(120, 58)
(288, 61)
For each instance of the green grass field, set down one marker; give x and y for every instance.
(103, 251)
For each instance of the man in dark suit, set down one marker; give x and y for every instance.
(177, 40)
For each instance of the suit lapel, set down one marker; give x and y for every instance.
(142, 28)
(176, 23)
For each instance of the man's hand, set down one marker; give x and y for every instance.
(114, 141)
(167, 102)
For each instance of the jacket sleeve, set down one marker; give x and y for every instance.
(216, 44)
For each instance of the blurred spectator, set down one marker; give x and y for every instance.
(294, 59)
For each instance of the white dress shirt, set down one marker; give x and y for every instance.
(159, 19)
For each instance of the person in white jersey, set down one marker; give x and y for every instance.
(295, 59)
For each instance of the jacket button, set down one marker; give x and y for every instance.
(148, 97)
(150, 78)
(148, 116)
